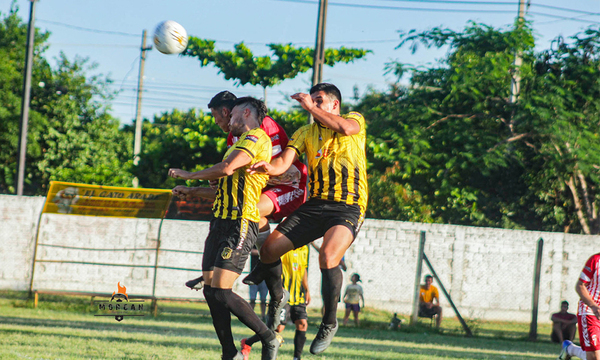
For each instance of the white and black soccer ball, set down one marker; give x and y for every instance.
(170, 37)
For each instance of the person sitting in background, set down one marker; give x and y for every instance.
(564, 324)
(427, 295)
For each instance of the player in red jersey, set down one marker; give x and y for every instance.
(588, 314)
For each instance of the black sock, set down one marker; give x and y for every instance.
(299, 340)
(273, 279)
(330, 290)
(221, 318)
(252, 340)
(240, 308)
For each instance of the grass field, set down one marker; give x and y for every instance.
(66, 328)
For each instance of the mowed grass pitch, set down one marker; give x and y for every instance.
(66, 328)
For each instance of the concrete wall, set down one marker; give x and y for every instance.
(488, 272)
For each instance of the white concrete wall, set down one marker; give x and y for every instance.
(488, 272)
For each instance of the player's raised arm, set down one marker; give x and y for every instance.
(187, 193)
(227, 167)
(277, 166)
(326, 111)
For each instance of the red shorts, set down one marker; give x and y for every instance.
(589, 332)
(285, 199)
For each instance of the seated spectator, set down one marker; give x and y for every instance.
(427, 295)
(564, 324)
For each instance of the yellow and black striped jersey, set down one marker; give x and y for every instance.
(294, 265)
(238, 194)
(337, 164)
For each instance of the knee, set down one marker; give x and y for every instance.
(268, 253)
(209, 293)
(302, 325)
(328, 260)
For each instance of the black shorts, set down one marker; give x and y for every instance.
(424, 311)
(313, 218)
(228, 244)
(294, 312)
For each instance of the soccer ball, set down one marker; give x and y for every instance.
(170, 37)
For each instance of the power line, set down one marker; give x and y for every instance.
(565, 18)
(382, 7)
(120, 33)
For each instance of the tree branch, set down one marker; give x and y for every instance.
(582, 220)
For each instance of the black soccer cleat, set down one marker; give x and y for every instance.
(275, 309)
(323, 339)
(270, 349)
(196, 284)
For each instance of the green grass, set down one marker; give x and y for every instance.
(66, 328)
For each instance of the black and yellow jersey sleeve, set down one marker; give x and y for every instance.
(238, 194)
(294, 265)
(337, 164)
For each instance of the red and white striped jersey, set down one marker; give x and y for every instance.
(590, 277)
(297, 175)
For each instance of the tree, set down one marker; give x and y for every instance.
(466, 155)
(244, 67)
(71, 135)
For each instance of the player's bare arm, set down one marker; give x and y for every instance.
(326, 114)
(187, 193)
(227, 167)
(278, 166)
(585, 296)
(305, 286)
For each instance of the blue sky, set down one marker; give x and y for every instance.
(80, 28)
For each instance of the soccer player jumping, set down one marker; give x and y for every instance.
(234, 227)
(335, 149)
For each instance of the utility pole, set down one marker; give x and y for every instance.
(319, 55)
(137, 142)
(25, 99)
(515, 84)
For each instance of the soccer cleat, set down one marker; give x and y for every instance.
(270, 349)
(323, 339)
(237, 356)
(275, 309)
(246, 349)
(196, 284)
(255, 277)
(564, 355)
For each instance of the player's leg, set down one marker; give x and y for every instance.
(236, 239)
(253, 292)
(438, 311)
(300, 319)
(347, 314)
(355, 312)
(557, 332)
(263, 291)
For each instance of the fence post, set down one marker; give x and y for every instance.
(536, 291)
(415, 312)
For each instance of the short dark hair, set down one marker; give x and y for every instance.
(329, 89)
(428, 277)
(257, 105)
(222, 99)
(564, 302)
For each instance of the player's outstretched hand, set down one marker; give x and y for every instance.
(213, 184)
(179, 174)
(261, 167)
(305, 100)
(181, 191)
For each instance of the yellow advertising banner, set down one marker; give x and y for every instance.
(98, 200)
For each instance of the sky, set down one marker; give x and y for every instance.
(109, 34)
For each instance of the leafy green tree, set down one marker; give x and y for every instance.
(286, 61)
(71, 135)
(460, 147)
(187, 140)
